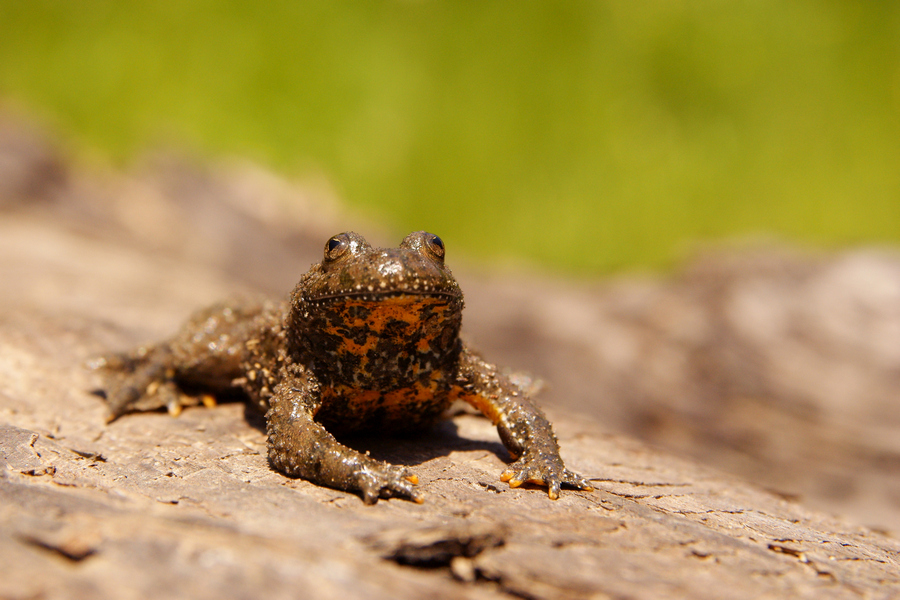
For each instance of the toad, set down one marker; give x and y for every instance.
(369, 342)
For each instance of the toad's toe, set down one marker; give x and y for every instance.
(388, 481)
(544, 471)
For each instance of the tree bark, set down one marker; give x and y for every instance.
(154, 506)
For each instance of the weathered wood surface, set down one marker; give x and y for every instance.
(152, 506)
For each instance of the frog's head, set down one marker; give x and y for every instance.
(351, 268)
(377, 316)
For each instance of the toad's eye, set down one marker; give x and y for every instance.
(435, 245)
(337, 247)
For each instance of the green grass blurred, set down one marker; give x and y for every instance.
(585, 136)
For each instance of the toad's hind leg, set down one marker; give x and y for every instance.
(204, 357)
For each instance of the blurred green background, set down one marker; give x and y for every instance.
(583, 136)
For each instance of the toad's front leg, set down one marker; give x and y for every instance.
(523, 428)
(301, 447)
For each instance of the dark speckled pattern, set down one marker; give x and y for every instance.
(369, 341)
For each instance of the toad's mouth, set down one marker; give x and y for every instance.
(376, 295)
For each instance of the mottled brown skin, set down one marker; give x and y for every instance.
(369, 342)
